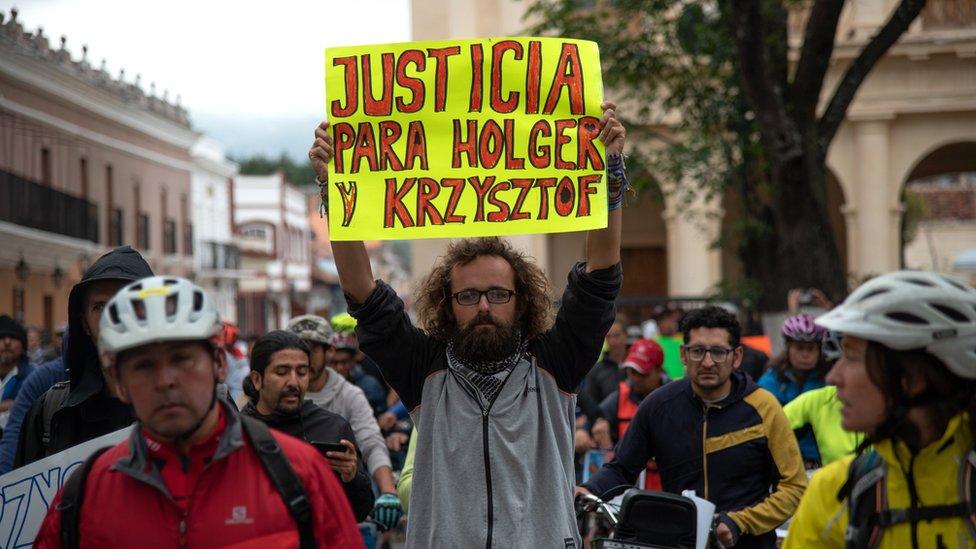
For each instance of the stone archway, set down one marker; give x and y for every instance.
(938, 222)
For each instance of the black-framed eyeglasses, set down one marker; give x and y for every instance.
(470, 296)
(696, 353)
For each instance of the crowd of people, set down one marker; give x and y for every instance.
(485, 412)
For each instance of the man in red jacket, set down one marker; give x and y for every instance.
(189, 475)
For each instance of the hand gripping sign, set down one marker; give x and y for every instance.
(465, 138)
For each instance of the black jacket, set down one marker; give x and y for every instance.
(739, 453)
(312, 423)
(603, 379)
(88, 411)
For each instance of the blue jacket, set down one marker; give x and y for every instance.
(785, 388)
(13, 386)
(36, 384)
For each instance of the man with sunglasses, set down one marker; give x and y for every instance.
(738, 450)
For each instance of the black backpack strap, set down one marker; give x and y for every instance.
(891, 517)
(868, 508)
(283, 477)
(53, 399)
(967, 491)
(865, 478)
(72, 493)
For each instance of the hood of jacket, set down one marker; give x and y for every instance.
(288, 423)
(309, 423)
(333, 386)
(80, 352)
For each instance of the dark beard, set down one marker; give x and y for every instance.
(476, 347)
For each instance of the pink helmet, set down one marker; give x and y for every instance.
(802, 328)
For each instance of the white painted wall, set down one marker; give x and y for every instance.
(210, 200)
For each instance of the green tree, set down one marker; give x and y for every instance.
(298, 173)
(741, 118)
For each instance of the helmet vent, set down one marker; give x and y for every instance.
(136, 287)
(874, 293)
(907, 318)
(950, 312)
(170, 282)
(197, 301)
(919, 282)
(954, 284)
(139, 308)
(170, 305)
(113, 313)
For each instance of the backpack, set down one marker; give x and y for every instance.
(53, 400)
(273, 459)
(867, 494)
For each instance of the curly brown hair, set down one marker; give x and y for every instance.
(533, 293)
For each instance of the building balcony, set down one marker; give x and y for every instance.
(217, 258)
(255, 245)
(31, 204)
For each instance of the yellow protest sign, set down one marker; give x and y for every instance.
(465, 138)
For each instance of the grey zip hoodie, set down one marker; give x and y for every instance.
(503, 477)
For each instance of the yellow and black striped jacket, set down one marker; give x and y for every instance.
(739, 453)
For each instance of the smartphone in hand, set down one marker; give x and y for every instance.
(324, 447)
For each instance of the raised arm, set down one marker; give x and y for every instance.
(352, 261)
(603, 245)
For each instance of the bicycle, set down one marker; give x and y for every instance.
(645, 519)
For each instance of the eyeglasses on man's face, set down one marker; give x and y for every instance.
(696, 353)
(470, 296)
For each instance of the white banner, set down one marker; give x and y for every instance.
(28, 491)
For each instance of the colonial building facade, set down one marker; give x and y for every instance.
(913, 118)
(217, 258)
(272, 223)
(88, 162)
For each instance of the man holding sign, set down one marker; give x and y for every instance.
(491, 380)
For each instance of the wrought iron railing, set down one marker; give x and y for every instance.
(32, 204)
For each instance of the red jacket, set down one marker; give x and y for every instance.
(223, 499)
(626, 410)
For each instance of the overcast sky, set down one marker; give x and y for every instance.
(235, 64)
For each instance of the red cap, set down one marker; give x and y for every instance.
(645, 356)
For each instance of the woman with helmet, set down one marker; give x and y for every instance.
(907, 378)
(799, 369)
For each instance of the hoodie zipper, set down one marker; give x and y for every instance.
(704, 451)
(491, 518)
(913, 498)
(484, 444)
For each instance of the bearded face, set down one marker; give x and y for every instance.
(11, 351)
(485, 339)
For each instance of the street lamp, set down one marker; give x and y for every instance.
(22, 270)
(57, 276)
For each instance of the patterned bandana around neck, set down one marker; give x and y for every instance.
(486, 377)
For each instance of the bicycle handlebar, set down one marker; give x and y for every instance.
(588, 503)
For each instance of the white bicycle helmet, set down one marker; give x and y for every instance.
(907, 310)
(155, 309)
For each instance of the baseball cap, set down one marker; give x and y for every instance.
(312, 328)
(645, 356)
